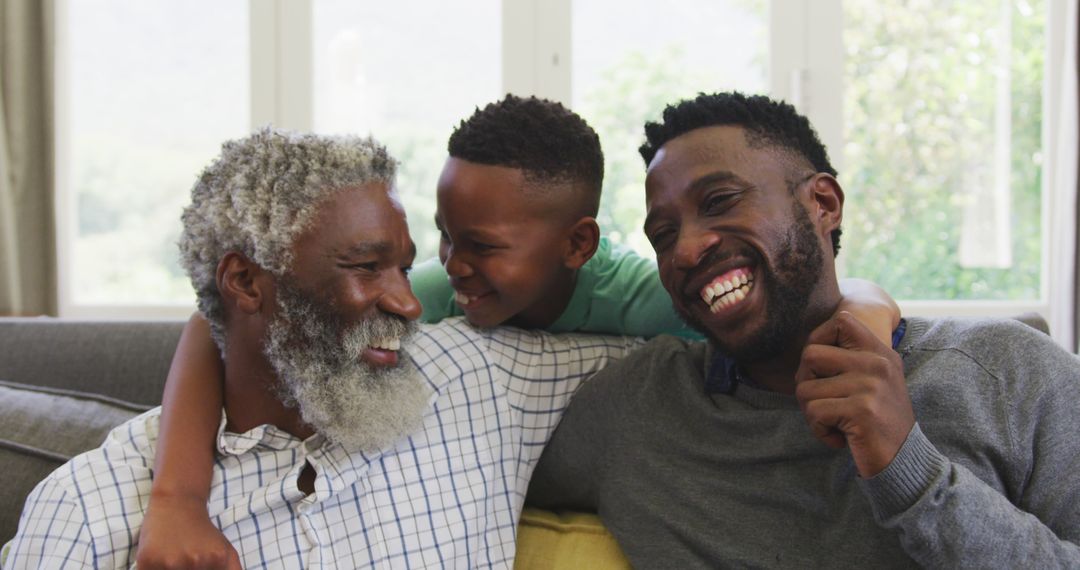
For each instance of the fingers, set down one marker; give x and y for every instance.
(844, 331)
(822, 421)
(825, 361)
(852, 392)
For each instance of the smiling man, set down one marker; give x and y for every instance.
(350, 437)
(792, 438)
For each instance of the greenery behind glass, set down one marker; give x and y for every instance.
(919, 114)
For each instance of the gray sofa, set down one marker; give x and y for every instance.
(64, 384)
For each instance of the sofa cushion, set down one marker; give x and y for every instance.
(548, 540)
(128, 360)
(40, 430)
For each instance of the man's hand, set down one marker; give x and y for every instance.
(851, 388)
(177, 533)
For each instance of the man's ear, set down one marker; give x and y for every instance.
(826, 202)
(241, 282)
(582, 240)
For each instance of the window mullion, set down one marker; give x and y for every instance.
(536, 48)
(281, 64)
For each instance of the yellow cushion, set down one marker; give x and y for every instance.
(548, 540)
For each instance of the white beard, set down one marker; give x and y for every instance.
(317, 360)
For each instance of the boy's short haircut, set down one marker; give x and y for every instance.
(549, 143)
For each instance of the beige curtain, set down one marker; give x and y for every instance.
(27, 244)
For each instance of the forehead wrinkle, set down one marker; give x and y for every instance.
(366, 248)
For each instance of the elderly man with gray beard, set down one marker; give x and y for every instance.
(350, 437)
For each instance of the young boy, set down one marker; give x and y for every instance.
(517, 205)
(520, 246)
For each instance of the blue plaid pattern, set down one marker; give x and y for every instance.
(448, 496)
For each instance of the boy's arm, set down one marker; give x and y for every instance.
(432, 288)
(872, 306)
(177, 531)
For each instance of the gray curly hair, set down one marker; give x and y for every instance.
(259, 195)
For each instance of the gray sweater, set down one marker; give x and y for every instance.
(988, 478)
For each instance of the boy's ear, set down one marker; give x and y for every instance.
(583, 239)
(241, 283)
(826, 201)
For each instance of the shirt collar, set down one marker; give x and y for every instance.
(337, 467)
(723, 375)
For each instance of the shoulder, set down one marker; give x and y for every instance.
(98, 497)
(657, 365)
(613, 261)
(121, 468)
(1012, 353)
(457, 338)
(992, 342)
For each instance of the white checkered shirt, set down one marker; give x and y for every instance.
(449, 496)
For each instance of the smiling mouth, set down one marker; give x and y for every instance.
(464, 300)
(382, 352)
(391, 344)
(727, 290)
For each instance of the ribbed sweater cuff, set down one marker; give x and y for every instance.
(906, 479)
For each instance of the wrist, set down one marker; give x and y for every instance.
(917, 466)
(177, 498)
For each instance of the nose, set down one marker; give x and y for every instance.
(455, 264)
(692, 245)
(398, 298)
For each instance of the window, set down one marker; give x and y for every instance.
(626, 68)
(933, 113)
(408, 85)
(146, 92)
(943, 131)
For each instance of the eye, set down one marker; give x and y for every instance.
(406, 270)
(370, 266)
(481, 247)
(661, 238)
(717, 202)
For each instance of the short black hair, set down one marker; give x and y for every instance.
(544, 139)
(766, 123)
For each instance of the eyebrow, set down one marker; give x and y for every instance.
(710, 179)
(721, 176)
(377, 248)
(365, 248)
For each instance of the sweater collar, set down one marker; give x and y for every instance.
(722, 373)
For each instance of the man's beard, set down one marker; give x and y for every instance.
(316, 355)
(798, 269)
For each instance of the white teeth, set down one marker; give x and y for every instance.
(461, 298)
(731, 293)
(387, 343)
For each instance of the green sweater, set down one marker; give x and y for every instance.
(617, 292)
(988, 478)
